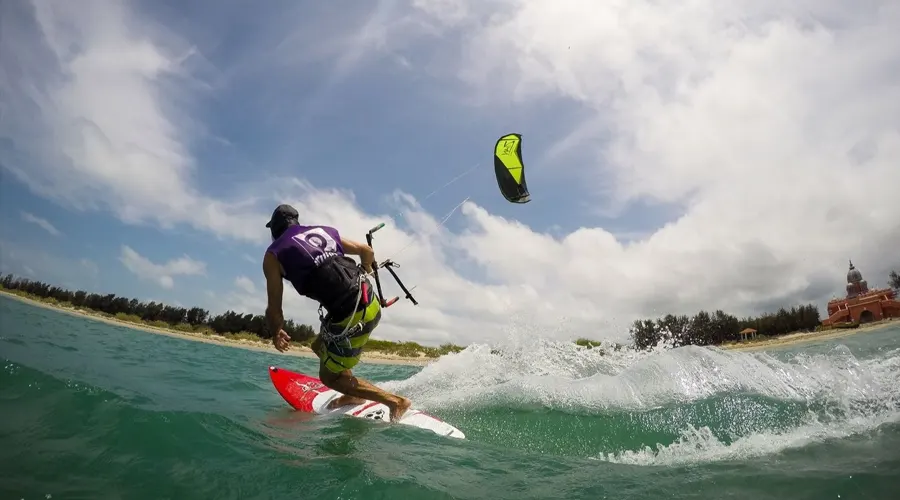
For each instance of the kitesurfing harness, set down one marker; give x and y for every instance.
(338, 284)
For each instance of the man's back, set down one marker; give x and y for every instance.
(301, 249)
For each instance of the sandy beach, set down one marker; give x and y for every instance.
(295, 350)
(804, 338)
(380, 358)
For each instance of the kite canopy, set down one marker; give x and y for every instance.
(510, 170)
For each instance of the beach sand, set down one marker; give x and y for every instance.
(295, 350)
(422, 360)
(806, 337)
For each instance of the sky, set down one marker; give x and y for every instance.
(680, 156)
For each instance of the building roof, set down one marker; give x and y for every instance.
(853, 275)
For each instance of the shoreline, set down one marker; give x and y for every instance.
(375, 357)
(800, 338)
(295, 350)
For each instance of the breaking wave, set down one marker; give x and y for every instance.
(659, 407)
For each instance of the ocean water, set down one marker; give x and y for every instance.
(95, 411)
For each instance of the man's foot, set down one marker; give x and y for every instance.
(399, 408)
(346, 401)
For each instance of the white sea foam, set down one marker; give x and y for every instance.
(851, 395)
(701, 445)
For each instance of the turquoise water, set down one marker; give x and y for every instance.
(97, 411)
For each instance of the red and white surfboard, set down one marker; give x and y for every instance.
(308, 394)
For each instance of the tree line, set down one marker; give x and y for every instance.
(229, 324)
(157, 313)
(704, 328)
(719, 327)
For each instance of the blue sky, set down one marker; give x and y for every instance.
(144, 144)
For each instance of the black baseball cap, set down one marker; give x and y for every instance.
(282, 215)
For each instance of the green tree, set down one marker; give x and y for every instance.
(894, 280)
(712, 329)
(184, 319)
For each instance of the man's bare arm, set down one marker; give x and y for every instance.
(365, 252)
(274, 291)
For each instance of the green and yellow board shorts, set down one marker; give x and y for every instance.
(344, 355)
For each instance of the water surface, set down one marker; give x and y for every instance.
(92, 410)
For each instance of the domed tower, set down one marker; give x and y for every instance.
(856, 285)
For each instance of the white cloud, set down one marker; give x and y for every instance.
(772, 128)
(112, 94)
(90, 266)
(776, 127)
(245, 284)
(161, 274)
(43, 223)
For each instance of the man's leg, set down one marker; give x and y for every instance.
(335, 367)
(350, 385)
(354, 389)
(346, 400)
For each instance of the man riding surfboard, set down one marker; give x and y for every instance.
(314, 259)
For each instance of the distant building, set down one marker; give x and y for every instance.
(747, 333)
(862, 305)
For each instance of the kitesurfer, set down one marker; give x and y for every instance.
(314, 259)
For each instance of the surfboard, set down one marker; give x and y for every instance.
(309, 394)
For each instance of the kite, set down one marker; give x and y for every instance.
(510, 170)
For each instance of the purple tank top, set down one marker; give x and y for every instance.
(302, 248)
